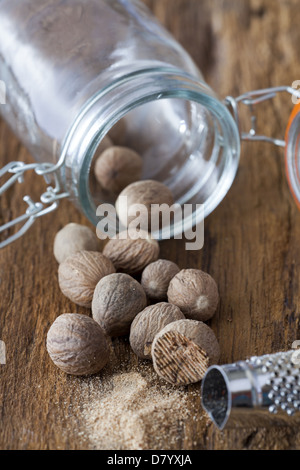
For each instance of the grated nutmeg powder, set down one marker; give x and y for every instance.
(133, 409)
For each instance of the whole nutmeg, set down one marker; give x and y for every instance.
(130, 255)
(77, 344)
(79, 274)
(183, 351)
(195, 293)
(118, 298)
(73, 238)
(148, 323)
(148, 193)
(156, 278)
(105, 143)
(117, 167)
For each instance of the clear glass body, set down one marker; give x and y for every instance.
(74, 68)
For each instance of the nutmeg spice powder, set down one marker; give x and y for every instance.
(123, 409)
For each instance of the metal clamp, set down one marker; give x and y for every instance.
(251, 99)
(49, 200)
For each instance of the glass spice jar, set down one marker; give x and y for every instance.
(77, 70)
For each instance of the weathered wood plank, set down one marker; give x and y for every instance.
(251, 240)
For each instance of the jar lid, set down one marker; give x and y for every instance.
(292, 153)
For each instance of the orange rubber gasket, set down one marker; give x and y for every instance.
(295, 112)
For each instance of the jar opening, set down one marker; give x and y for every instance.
(180, 146)
(186, 137)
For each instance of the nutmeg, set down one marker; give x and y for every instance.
(77, 344)
(73, 238)
(183, 351)
(105, 144)
(195, 293)
(130, 255)
(117, 299)
(148, 323)
(117, 167)
(156, 278)
(79, 274)
(148, 193)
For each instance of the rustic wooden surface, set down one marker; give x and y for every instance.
(251, 240)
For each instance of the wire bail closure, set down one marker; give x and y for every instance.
(251, 99)
(49, 200)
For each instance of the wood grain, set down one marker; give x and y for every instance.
(251, 240)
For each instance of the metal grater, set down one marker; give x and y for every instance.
(261, 391)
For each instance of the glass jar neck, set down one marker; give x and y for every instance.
(125, 94)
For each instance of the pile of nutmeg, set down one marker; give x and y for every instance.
(128, 288)
(131, 291)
